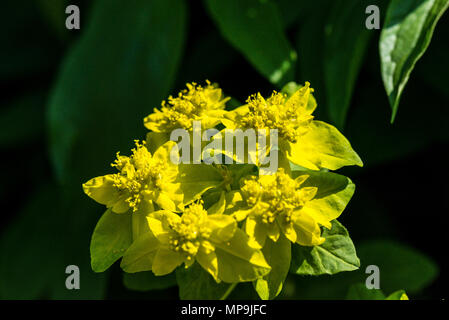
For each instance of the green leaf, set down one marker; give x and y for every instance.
(310, 48)
(359, 291)
(335, 255)
(238, 262)
(293, 11)
(104, 91)
(255, 29)
(139, 256)
(196, 284)
(400, 266)
(406, 34)
(196, 179)
(219, 206)
(345, 42)
(111, 237)
(278, 256)
(328, 183)
(156, 139)
(146, 281)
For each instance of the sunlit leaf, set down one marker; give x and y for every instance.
(406, 34)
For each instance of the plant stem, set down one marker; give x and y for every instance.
(228, 292)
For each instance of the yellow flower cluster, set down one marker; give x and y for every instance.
(290, 119)
(221, 216)
(279, 203)
(192, 104)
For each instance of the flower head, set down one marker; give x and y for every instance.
(290, 119)
(304, 141)
(142, 180)
(275, 204)
(190, 230)
(213, 240)
(196, 103)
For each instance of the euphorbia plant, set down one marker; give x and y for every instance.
(234, 221)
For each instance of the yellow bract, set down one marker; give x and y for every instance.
(196, 103)
(142, 180)
(211, 239)
(279, 203)
(304, 141)
(276, 112)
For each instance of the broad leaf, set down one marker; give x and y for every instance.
(345, 42)
(111, 237)
(310, 48)
(196, 179)
(406, 34)
(328, 183)
(196, 284)
(278, 255)
(335, 255)
(255, 29)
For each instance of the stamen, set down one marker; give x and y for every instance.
(277, 197)
(137, 173)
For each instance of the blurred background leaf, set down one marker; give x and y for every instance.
(254, 27)
(400, 266)
(345, 42)
(104, 96)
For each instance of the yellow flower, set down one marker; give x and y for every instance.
(304, 141)
(213, 240)
(143, 179)
(277, 203)
(192, 104)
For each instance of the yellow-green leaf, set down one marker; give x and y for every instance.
(111, 238)
(278, 255)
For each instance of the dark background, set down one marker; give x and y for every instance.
(401, 192)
